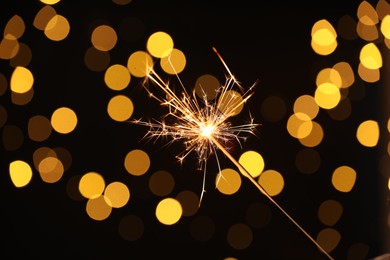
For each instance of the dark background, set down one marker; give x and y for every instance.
(248, 36)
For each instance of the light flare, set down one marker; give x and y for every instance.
(204, 128)
(195, 121)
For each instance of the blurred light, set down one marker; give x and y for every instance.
(327, 95)
(368, 133)
(20, 173)
(329, 75)
(161, 183)
(173, 63)
(23, 57)
(22, 80)
(189, 202)
(64, 156)
(328, 238)
(137, 162)
(367, 14)
(159, 44)
(370, 56)
(39, 128)
(299, 125)
(57, 28)
(22, 98)
(43, 17)
(344, 25)
(330, 212)
(14, 28)
(239, 236)
(367, 32)
(42, 153)
(9, 48)
(104, 38)
(368, 75)
(120, 108)
(272, 182)
(315, 137)
(50, 2)
(388, 125)
(92, 185)
(228, 181)
(117, 77)
(139, 64)
(96, 60)
(388, 183)
(382, 8)
(343, 178)
(346, 73)
(169, 211)
(131, 227)
(207, 86)
(385, 26)
(64, 120)
(323, 37)
(51, 169)
(117, 194)
(253, 162)
(307, 105)
(97, 208)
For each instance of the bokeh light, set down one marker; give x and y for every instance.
(174, 63)
(228, 181)
(20, 173)
(343, 178)
(368, 133)
(169, 211)
(240, 236)
(120, 108)
(137, 162)
(159, 44)
(272, 182)
(117, 77)
(92, 185)
(253, 162)
(22, 80)
(104, 38)
(117, 194)
(139, 64)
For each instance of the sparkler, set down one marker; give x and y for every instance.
(204, 126)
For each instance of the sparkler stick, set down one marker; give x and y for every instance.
(204, 127)
(261, 189)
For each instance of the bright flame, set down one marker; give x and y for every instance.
(207, 130)
(199, 123)
(195, 122)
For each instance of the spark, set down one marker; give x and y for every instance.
(204, 126)
(199, 123)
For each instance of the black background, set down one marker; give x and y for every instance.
(40, 220)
